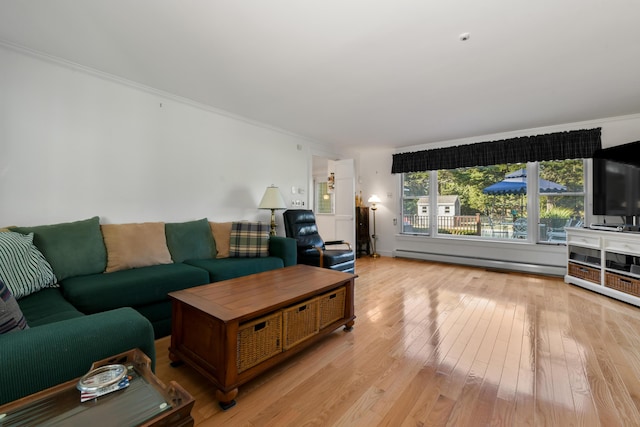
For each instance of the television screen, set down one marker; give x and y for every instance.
(616, 181)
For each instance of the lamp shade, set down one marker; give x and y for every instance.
(374, 199)
(272, 199)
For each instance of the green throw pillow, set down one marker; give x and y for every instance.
(72, 248)
(190, 240)
(249, 240)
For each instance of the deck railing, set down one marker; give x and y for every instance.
(459, 224)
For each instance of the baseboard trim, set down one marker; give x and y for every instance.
(549, 270)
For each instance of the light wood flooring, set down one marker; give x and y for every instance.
(439, 344)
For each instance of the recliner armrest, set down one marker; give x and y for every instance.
(338, 242)
(334, 242)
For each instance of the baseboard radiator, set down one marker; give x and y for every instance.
(550, 270)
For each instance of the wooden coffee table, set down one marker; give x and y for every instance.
(146, 402)
(232, 331)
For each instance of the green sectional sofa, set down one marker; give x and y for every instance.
(108, 289)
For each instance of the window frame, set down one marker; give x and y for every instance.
(532, 200)
(429, 211)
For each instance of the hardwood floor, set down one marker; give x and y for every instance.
(439, 344)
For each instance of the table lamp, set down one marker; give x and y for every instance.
(273, 200)
(373, 200)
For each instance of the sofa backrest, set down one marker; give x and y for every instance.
(72, 248)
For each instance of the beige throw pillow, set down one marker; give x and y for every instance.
(222, 235)
(135, 245)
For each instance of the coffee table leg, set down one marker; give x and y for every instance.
(349, 326)
(226, 400)
(175, 361)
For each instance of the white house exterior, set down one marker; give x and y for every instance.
(447, 206)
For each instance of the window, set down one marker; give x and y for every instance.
(324, 199)
(482, 187)
(487, 200)
(559, 208)
(491, 201)
(415, 202)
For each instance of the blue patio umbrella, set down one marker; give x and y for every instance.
(516, 183)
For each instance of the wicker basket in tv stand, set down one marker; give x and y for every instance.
(234, 330)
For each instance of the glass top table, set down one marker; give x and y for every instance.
(145, 402)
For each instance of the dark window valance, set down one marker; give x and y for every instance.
(577, 144)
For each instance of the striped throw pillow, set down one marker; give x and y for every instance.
(249, 240)
(11, 318)
(23, 268)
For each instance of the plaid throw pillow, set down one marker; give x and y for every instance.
(249, 240)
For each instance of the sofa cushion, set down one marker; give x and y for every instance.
(134, 287)
(11, 317)
(72, 248)
(222, 235)
(190, 240)
(135, 245)
(47, 306)
(23, 268)
(249, 240)
(230, 268)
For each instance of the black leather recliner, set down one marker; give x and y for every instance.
(300, 224)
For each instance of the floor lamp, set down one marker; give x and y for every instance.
(373, 200)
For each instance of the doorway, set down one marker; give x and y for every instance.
(333, 200)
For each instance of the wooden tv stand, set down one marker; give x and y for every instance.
(606, 262)
(234, 330)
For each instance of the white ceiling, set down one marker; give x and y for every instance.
(358, 72)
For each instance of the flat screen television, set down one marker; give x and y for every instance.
(616, 182)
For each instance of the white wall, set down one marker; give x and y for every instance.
(76, 143)
(374, 168)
